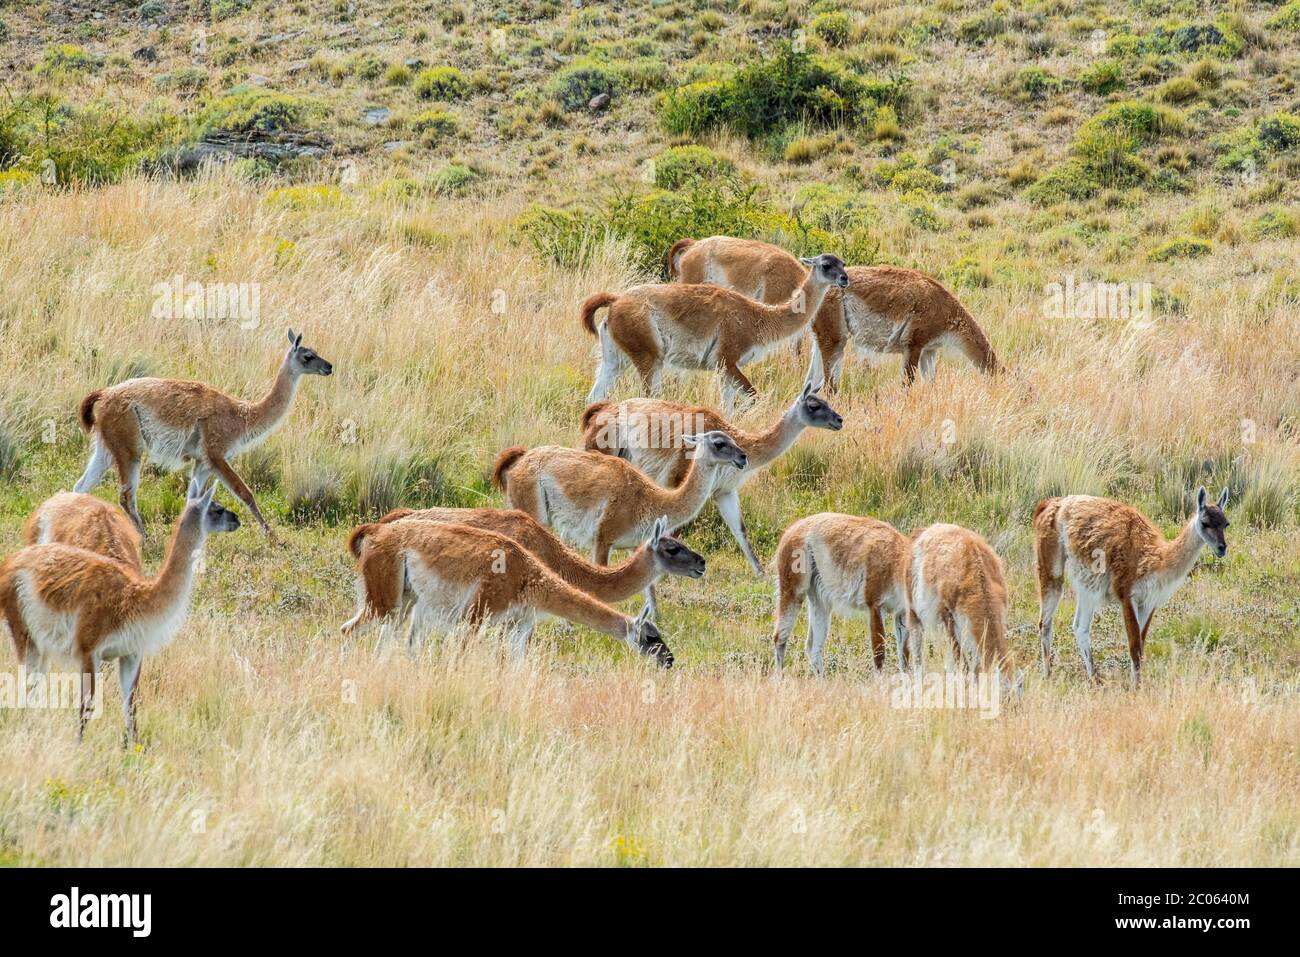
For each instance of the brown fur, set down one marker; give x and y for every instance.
(504, 576)
(505, 460)
(819, 553)
(962, 571)
(608, 583)
(674, 252)
(590, 306)
(84, 521)
(920, 311)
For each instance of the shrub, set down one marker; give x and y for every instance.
(907, 175)
(793, 86)
(1274, 224)
(1103, 79)
(254, 110)
(805, 149)
(16, 181)
(1036, 83)
(1178, 90)
(452, 178)
(578, 84)
(1287, 19)
(435, 125)
(225, 9)
(679, 164)
(188, 79)
(1182, 247)
(305, 197)
(1279, 133)
(399, 74)
(834, 28)
(440, 83)
(67, 59)
(982, 27)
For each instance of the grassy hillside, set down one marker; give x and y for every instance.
(436, 253)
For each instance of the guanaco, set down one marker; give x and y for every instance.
(460, 574)
(66, 602)
(601, 502)
(700, 326)
(660, 554)
(176, 420)
(956, 579)
(83, 521)
(1114, 553)
(846, 564)
(885, 309)
(647, 433)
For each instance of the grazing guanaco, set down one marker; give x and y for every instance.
(83, 521)
(658, 555)
(886, 309)
(458, 574)
(1113, 553)
(846, 564)
(175, 420)
(601, 502)
(647, 433)
(956, 579)
(700, 326)
(65, 602)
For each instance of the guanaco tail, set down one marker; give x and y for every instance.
(647, 433)
(457, 574)
(846, 564)
(700, 326)
(885, 309)
(176, 420)
(1114, 553)
(64, 602)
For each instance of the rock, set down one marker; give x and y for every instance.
(222, 148)
(414, 62)
(258, 80)
(297, 66)
(599, 102)
(146, 55)
(378, 114)
(392, 146)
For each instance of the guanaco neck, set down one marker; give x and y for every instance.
(266, 412)
(1178, 557)
(613, 583)
(172, 586)
(565, 601)
(783, 321)
(765, 447)
(687, 499)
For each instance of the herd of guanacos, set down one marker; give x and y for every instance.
(78, 591)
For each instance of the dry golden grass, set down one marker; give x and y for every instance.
(249, 725)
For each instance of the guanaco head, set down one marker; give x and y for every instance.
(814, 411)
(199, 507)
(1211, 522)
(829, 269)
(672, 556)
(645, 638)
(303, 360)
(716, 448)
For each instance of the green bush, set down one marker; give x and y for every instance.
(793, 86)
(907, 175)
(1274, 224)
(440, 83)
(676, 166)
(1103, 79)
(67, 59)
(225, 9)
(1180, 89)
(1255, 145)
(578, 84)
(1035, 83)
(834, 28)
(254, 110)
(1286, 19)
(452, 178)
(435, 125)
(1182, 247)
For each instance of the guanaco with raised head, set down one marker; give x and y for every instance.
(956, 580)
(1114, 553)
(175, 420)
(63, 602)
(846, 564)
(660, 554)
(600, 502)
(885, 309)
(700, 326)
(647, 433)
(83, 521)
(463, 575)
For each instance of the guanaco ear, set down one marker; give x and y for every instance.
(294, 340)
(660, 529)
(690, 441)
(808, 262)
(816, 377)
(195, 490)
(641, 618)
(207, 499)
(1200, 499)
(1223, 498)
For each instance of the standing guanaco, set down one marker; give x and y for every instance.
(175, 420)
(846, 564)
(956, 579)
(885, 309)
(647, 433)
(65, 602)
(83, 521)
(700, 326)
(460, 574)
(1113, 553)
